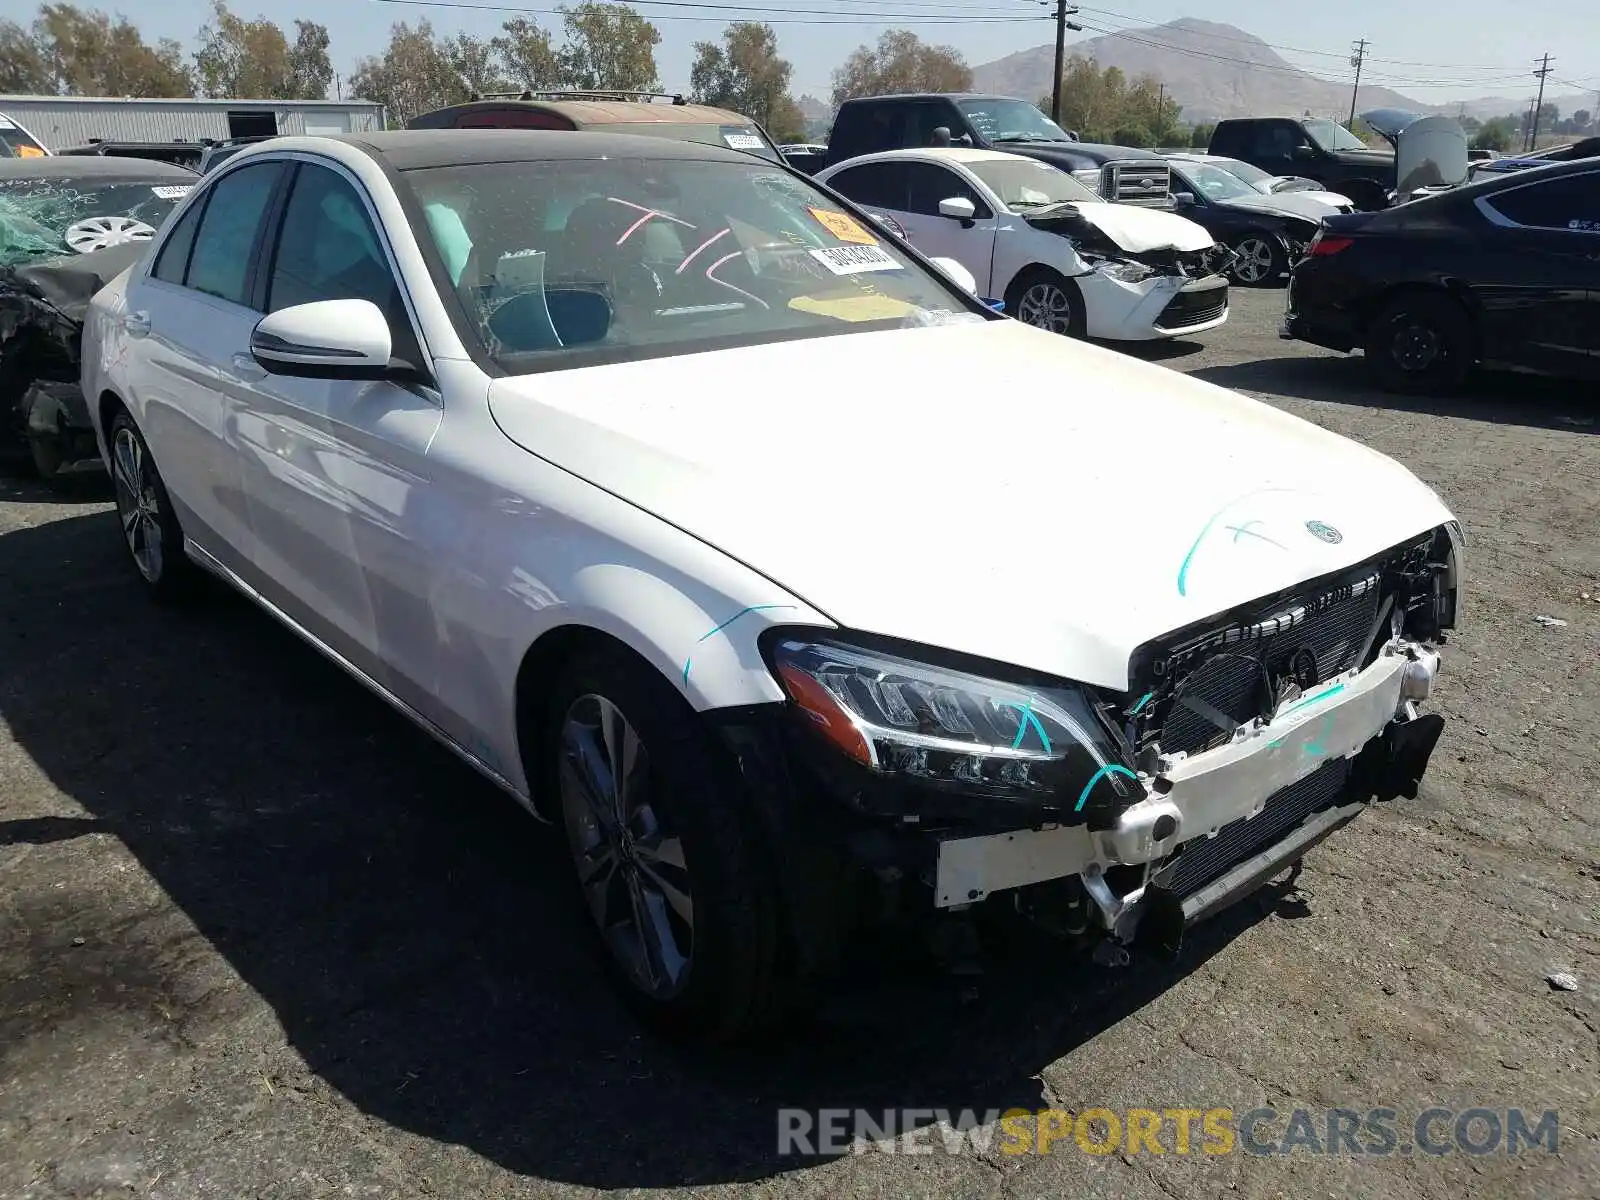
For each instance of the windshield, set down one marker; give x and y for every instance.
(1010, 121)
(1214, 183)
(40, 218)
(738, 137)
(1024, 185)
(1251, 175)
(1332, 136)
(561, 264)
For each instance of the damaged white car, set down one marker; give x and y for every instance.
(518, 430)
(1060, 256)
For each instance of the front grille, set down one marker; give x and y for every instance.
(1201, 860)
(1240, 682)
(1194, 307)
(1137, 183)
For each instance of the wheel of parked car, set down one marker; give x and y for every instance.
(1421, 342)
(149, 525)
(1259, 260)
(668, 858)
(1047, 300)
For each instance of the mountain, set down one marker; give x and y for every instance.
(1486, 108)
(1212, 70)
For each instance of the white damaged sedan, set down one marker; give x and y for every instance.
(1061, 257)
(521, 430)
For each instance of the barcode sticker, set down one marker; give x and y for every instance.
(853, 260)
(743, 141)
(175, 192)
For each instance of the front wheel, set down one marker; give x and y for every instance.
(1042, 298)
(669, 862)
(1260, 260)
(1421, 343)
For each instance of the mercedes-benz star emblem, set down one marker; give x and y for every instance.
(1324, 531)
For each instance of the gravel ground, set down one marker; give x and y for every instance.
(259, 939)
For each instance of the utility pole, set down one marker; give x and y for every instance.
(1541, 71)
(1063, 11)
(1357, 57)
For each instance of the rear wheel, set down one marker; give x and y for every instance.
(669, 861)
(150, 527)
(1047, 300)
(1260, 260)
(1421, 342)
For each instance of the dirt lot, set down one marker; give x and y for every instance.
(258, 939)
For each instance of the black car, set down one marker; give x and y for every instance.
(1315, 148)
(1267, 233)
(181, 154)
(68, 226)
(1504, 272)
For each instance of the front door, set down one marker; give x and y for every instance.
(336, 471)
(971, 243)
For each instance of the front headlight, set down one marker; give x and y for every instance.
(1127, 272)
(919, 723)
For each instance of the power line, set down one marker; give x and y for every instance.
(1357, 57)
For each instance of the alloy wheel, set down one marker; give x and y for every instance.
(138, 502)
(630, 862)
(1253, 261)
(1046, 306)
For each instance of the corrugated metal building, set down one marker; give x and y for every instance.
(61, 122)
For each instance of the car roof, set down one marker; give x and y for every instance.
(930, 96)
(420, 149)
(611, 112)
(954, 154)
(90, 166)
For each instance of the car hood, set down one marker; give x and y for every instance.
(1128, 227)
(989, 488)
(1295, 204)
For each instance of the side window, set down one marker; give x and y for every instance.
(1569, 203)
(924, 116)
(1226, 140)
(873, 127)
(931, 184)
(878, 185)
(220, 264)
(174, 259)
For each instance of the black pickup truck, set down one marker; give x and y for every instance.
(1313, 148)
(876, 123)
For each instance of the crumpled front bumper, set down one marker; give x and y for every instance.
(1368, 717)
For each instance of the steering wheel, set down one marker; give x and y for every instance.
(98, 233)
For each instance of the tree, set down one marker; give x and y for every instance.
(1200, 136)
(246, 60)
(608, 47)
(1102, 106)
(85, 53)
(1132, 135)
(413, 75)
(475, 65)
(746, 75)
(23, 69)
(526, 54)
(1494, 135)
(901, 62)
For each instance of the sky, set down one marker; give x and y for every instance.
(1485, 48)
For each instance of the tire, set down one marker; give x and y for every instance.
(1421, 343)
(688, 862)
(1047, 300)
(148, 524)
(1261, 260)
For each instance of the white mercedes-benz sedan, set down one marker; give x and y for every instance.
(526, 431)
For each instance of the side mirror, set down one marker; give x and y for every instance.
(963, 277)
(1303, 153)
(958, 208)
(327, 339)
(1184, 199)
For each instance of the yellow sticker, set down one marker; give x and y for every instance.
(843, 226)
(853, 308)
(30, 152)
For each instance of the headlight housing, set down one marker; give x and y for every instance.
(917, 723)
(1127, 272)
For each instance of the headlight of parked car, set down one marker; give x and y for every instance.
(917, 722)
(1127, 272)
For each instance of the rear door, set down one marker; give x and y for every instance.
(1542, 308)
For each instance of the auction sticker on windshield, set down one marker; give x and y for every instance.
(176, 192)
(742, 141)
(843, 226)
(853, 260)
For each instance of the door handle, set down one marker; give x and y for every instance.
(248, 368)
(137, 324)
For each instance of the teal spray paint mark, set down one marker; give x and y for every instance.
(689, 662)
(1183, 567)
(1026, 718)
(1143, 700)
(1239, 531)
(1108, 769)
(1314, 748)
(1334, 690)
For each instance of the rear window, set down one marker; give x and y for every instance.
(563, 264)
(735, 137)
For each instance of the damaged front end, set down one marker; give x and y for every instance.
(42, 308)
(1114, 819)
